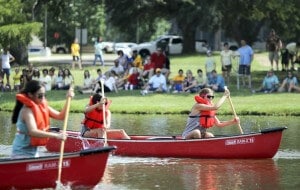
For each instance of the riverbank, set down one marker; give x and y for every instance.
(131, 102)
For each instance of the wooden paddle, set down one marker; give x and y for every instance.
(62, 145)
(103, 110)
(233, 110)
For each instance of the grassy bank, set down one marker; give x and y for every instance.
(132, 102)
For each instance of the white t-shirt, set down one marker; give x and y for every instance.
(156, 81)
(110, 82)
(226, 57)
(46, 80)
(5, 60)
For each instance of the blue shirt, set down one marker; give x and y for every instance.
(246, 53)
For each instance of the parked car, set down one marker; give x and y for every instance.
(126, 47)
(169, 43)
(60, 48)
(38, 51)
(201, 46)
(108, 47)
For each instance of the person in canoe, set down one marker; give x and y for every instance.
(93, 123)
(31, 115)
(202, 115)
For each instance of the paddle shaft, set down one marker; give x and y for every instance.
(62, 146)
(234, 113)
(103, 110)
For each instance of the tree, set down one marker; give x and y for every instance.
(15, 29)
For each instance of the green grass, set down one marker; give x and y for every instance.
(131, 102)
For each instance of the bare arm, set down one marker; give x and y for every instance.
(28, 118)
(219, 123)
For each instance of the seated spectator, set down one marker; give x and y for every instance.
(289, 84)
(216, 82)
(88, 83)
(46, 80)
(176, 84)
(59, 80)
(133, 80)
(137, 61)
(36, 74)
(148, 70)
(117, 68)
(68, 79)
(52, 76)
(270, 83)
(201, 80)
(157, 83)
(190, 83)
(109, 84)
(17, 80)
(122, 60)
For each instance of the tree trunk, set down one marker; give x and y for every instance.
(189, 33)
(20, 53)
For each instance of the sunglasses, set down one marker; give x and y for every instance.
(41, 95)
(210, 97)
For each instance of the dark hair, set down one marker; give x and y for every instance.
(226, 44)
(199, 70)
(96, 98)
(31, 87)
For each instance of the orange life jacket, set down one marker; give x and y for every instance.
(41, 116)
(94, 118)
(207, 117)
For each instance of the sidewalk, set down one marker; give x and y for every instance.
(87, 59)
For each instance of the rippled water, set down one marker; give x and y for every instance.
(122, 173)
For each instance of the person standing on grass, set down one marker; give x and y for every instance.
(273, 46)
(6, 59)
(203, 115)
(98, 51)
(75, 50)
(32, 118)
(246, 54)
(226, 55)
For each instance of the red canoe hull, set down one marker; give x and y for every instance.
(263, 144)
(82, 169)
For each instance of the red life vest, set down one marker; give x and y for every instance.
(41, 116)
(94, 118)
(207, 117)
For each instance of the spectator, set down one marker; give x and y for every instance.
(294, 52)
(270, 83)
(17, 80)
(6, 59)
(52, 76)
(176, 84)
(273, 46)
(117, 68)
(98, 51)
(29, 72)
(46, 80)
(59, 80)
(246, 57)
(290, 83)
(137, 61)
(109, 84)
(24, 78)
(210, 64)
(285, 58)
(75, 48)
(123, 60)
(190, 83)
(226, 55)
(88, 83)
(36, 74)
(133, 80)
(201, 80)
(161, 61)
(68, 79)
(148, 68)
(157, 83)
(216, 82)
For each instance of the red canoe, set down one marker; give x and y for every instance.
(263, 144)
(80, 169)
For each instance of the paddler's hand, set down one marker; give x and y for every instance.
(226, 92)
(70, 93)
(61, 136)
(236, 120)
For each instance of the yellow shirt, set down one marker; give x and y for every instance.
(178, 78)
(75, 49)
(138, 62)
(17, 79)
